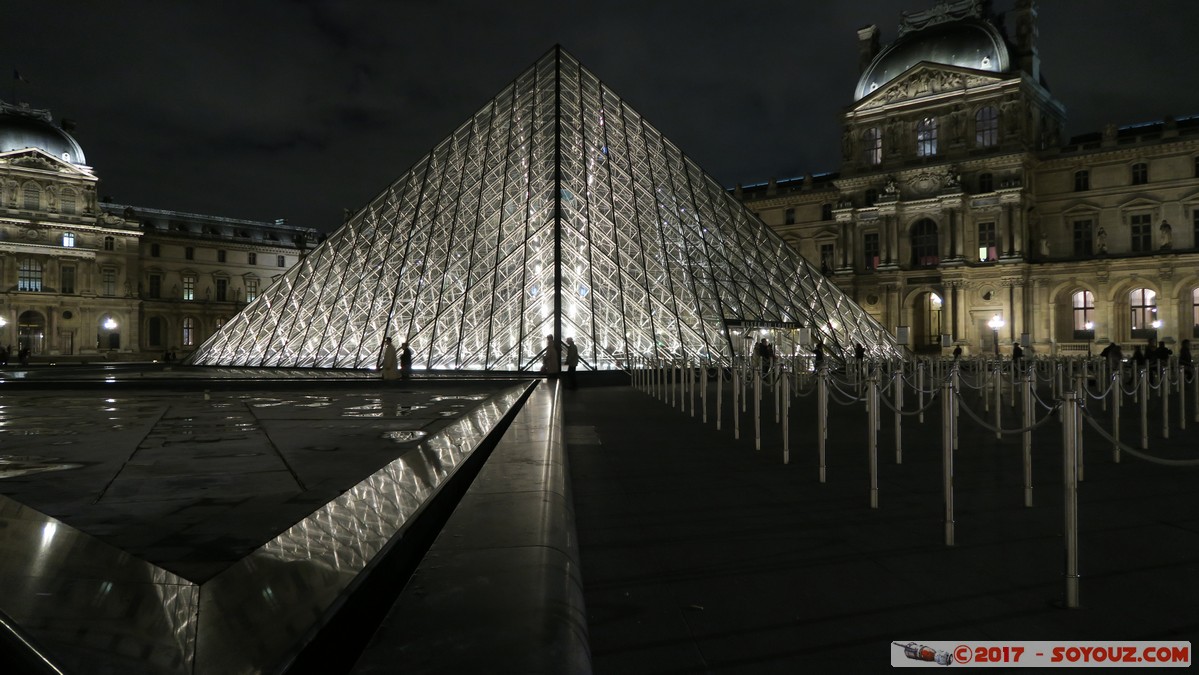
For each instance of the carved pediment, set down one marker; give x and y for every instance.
(36, 158)
(926, 80)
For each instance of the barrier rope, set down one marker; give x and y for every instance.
(999, 430)
(905, 412)
(1133, 451)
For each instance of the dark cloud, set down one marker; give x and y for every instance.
(299, 108)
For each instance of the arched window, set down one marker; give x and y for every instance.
(986, 127)
(33, 196)
(189, 331)
(872, 146)
(925, 251)
(1084, 315)
(109, 244)
(932, 326)
(1140, 173)
(926, 137)
(1142, 303)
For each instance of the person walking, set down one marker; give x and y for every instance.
(550, 364)
(389, 365)
(572, 360)
(405, 361)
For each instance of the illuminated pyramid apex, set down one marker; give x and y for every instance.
(555, 210)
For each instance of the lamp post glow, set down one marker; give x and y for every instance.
(110, 324)
(996, 323)
(1090, 326)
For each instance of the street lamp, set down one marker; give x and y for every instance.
(996, 323)
(110, 324)
(1090, 326)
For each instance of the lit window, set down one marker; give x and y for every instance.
(189, 331)
(68, 239)
(926, 137)
(189, 287)
(1084, 315)
(986, 127)
(872, 146)
(251, 289)
(29, 275)
(1142, 302)
(987, 247)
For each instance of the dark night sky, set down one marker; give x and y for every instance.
(268, 109)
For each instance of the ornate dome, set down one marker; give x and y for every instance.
(22, 127)
(967, 43)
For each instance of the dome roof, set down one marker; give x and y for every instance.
(968, 43)
(22, 128)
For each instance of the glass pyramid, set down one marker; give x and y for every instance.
(556, 209)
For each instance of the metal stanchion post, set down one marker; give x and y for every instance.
(998, 396)
(1079, 384)
(899, 415)
(1070, 478)
(786, 387)
(1182, 398)
(947, 441)
(1145, 409)
(775, 384)
(757, 409)
(821, 416)
(955, 376)
(920, 390)
(872, 445)
(1118, 394)
(703, 392)
(736, 410)
(1029, 415)
(1163, 381)
(719, 395)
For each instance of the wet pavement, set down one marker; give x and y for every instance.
(195, 477)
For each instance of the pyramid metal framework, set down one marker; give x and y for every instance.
(555, 210)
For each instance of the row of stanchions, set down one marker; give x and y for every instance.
(675, 381)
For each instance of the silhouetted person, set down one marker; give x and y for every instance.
(550, 364)
(572, 360)
(1138, 357)
(1017, 356)
(818, 355)
(957, 352)
(405, 361)
(390, 363)
(1184, 356)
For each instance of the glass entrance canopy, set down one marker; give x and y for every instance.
(555, 210)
